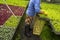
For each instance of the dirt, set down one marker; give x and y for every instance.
(5, 13)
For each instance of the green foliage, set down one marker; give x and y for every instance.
(12, 21)
(8, 29)
(46, 33)
(6, 33)
(53, 11)
(15, 2)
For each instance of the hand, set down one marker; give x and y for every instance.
(43, 12)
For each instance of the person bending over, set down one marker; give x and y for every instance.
(33, 9)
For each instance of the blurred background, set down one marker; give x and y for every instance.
(9, 23)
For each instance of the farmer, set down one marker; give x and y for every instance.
(33, 9)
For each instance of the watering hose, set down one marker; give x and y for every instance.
(9, 8)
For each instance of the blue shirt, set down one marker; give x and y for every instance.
(33, 7)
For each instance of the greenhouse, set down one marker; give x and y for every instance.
(13, 15)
